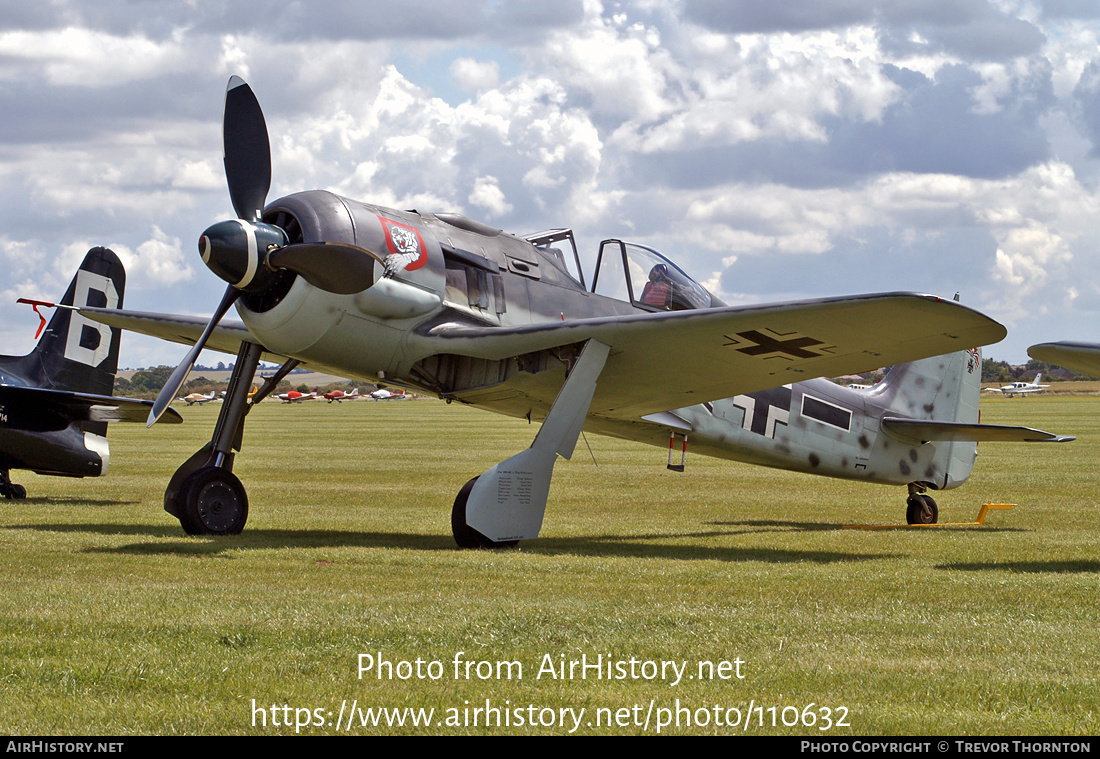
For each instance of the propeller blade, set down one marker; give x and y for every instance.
(179, 376)
(334, 267)
(247, 150)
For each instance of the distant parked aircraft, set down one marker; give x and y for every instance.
(340, 395)
(295, 396)
(198, 398)
(1020, 388)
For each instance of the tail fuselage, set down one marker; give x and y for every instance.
(73, 354)
(820, 427)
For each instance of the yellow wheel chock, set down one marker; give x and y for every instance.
(982, 512)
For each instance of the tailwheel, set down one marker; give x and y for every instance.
(212, 501)
(921, 509)
(465, 535)
(13, 491)
(9, 489)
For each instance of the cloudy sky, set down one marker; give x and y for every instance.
(776, 150)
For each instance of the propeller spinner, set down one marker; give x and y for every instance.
(246, 252)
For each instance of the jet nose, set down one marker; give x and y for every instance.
(235, 250)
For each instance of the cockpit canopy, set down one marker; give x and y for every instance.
(647, 279)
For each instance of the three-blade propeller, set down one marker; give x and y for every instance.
(246, 252)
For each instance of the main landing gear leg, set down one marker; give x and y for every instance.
(920, 508)
(9, 489)
(506, 503)
(204, 494)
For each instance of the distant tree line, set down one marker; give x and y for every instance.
(1002, 371)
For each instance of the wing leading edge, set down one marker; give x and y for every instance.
(662, 361)
(670, 360)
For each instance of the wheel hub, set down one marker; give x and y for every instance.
(217, 506)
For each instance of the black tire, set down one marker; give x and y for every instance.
(921, 509)
(213, 501)
(13, 491)
(465, 535)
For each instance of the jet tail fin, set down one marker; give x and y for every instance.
(75, 353)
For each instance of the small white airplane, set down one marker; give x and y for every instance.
(1020, 388)
(382, 394)
(454, 308)
(198, 398)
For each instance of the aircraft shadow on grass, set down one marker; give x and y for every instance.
(1065, 566)
(828, 527)
(595, 545)
(74, 501)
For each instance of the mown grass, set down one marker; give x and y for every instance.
(114, 622)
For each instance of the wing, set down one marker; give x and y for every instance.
(669, 360)
(920, 430)
(227, 336)
(1080, 357)
(42, 410)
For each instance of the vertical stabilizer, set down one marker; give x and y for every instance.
(75, 353)
(942, 388)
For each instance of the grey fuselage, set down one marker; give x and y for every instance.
(468, 275)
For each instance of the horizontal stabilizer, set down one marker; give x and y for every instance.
(43, 410)
(924, 430)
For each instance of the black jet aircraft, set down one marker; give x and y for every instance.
(447, 306)
(56, 401)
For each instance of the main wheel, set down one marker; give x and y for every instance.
(465, 535)
(213, 502)
(921, 509)
(13, 491)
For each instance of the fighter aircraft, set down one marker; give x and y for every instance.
(198, 398)
(1022, 389)
(448, 306)
(56, 401)
(1080, 357)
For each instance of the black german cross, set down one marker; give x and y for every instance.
(795, 347)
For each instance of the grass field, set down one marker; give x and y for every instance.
(114, 622)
